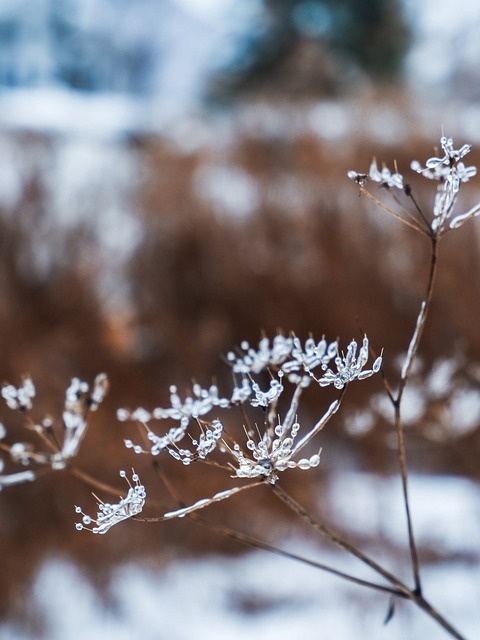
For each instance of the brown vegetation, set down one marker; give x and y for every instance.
(311, 257)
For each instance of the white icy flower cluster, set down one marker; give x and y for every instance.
(300, 360)
(79, 400)
(267, 456)
(265, 398)
(383, 177)
(349, 367)
(111, 514)
(451, 172)
(19, 397)
(254, 361)
(290, 357)
(193, 407)
(306, 357)
(287, 354)
(204, 444)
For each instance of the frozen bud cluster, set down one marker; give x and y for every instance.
(19, 397)
(265, 398)
(204, 444)
(268, 456)
(349, 367)
(448, 170)
(62, 444)
(383, 177)
(78, 400)
(305, 358)
(287, 355)
(111, 514)
(253, 361)
(192, 407)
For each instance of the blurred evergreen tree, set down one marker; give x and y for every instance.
(317, 47)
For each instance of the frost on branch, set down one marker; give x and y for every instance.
(111, 514)
(449, 171)
(60, 444)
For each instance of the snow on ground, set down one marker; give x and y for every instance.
(259, 595)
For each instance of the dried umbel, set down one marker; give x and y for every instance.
(111, 514)
(272, 445)
(449, 171)
(61, 442)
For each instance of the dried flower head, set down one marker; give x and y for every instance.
(384, 177)
(19, 397)
(62, 444)
(191, 408)
(450, 172)
(349, 367)
(111, 514)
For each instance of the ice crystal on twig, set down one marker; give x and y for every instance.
(111, 514)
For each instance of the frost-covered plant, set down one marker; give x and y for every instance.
(111, 514)
(60, 442)
(220, 430)
(267, 449)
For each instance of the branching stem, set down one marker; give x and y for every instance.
(336, 539)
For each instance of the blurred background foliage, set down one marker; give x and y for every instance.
(150, 253)
(317, 48)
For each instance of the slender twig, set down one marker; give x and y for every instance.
(412, 224)
(265, 546)
(409, 193)
(413, 595)
(407, 214)
(338, 540)
(396, 400)
(256, 543)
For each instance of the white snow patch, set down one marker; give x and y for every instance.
(228, 188)
(465, 410)
(260, 595)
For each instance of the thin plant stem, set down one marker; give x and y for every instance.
(254, 542)
(413, 224)
(396, 401)
(413, 595)
(338, 540)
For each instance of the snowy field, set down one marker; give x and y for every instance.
(259, 595)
